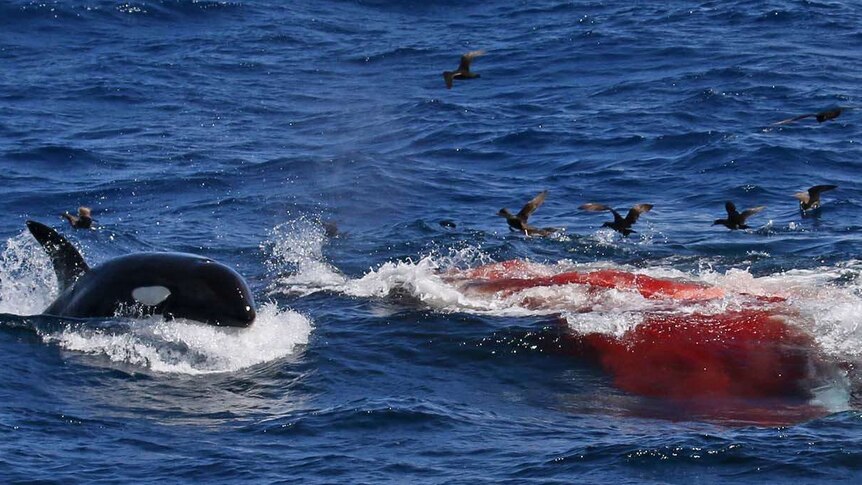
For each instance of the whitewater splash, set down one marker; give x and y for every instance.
(27, 281)
(183, 347)
(28, 285)
(296, 258)
(794, 332)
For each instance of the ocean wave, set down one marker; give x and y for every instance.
(18, 10)
(55, 154)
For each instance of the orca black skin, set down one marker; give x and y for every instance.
(176, 285)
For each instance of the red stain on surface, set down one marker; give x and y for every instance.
(498, 277)
(748, 353)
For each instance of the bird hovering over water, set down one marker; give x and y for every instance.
(811, 199)
(518, 222)
(463, 71)
(822, 116)
(736, 220)
(620, 224)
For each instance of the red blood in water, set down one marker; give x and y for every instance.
(648, 286)
(748, 353)
(499, 277)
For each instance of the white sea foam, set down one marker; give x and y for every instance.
(27, 281)
(296, 258)
(184, 347)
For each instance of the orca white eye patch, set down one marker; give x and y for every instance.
(150, 295)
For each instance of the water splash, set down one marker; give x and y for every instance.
(27, 280)
(295, 250)
(183, 347)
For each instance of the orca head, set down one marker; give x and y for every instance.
(203, 290)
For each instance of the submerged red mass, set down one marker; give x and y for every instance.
(748, 353)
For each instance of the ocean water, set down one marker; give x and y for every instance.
(241, 130)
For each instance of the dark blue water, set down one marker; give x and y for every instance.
(233, 129)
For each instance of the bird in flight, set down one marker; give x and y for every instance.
(736, 220)
(821, 116)
(518, 222)
(620, 224)
(463, 71)
(811, 199)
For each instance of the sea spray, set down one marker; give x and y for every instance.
(185, 347)
(27, 280)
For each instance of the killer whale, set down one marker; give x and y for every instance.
(176, 285)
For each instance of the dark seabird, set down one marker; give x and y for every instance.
(620, 224)
(736, 220)
(463, 71)
(811, 199)
(447, 224)
(81, 221)
(518, 222)
(821, 116)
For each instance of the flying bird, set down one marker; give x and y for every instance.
(821, 116)
(518, 222)
(811, 199)
(736, 220)
(620, 224)
(463, 71)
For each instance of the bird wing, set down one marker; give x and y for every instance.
(731, 209)
(636, 211)
(448, 77)
(795, 118)
(535, 231)
(750, 212)
(593, 207)
(803, 197)
(818, 189)
(467, 58)
(532, 205)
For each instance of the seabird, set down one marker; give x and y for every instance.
(620, 224)
(811, 199)
(447, 224)
(822, 116)
(82, 221)
(463, 71)
(518, 222)
(736, 220)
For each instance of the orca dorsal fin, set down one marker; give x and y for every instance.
(68, 263)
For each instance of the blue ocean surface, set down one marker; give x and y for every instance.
(313, 146)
